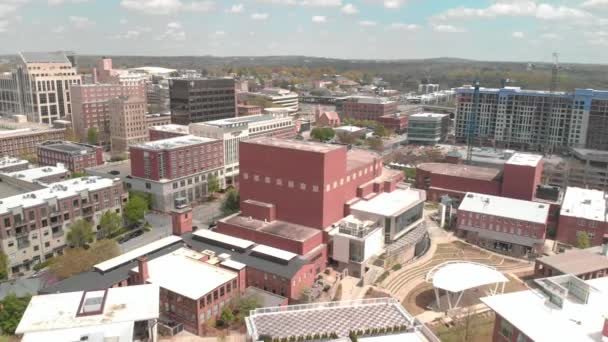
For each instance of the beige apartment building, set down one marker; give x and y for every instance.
(34, 225)
(47, 83)
(127, 123)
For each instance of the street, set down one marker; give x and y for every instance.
(160, 224)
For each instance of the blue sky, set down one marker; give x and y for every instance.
(519, 30)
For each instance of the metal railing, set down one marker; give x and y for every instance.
(327, 305)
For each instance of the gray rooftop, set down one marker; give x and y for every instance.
(94, 280)
(44, 57)
(338, 317)
(20, 287)
(266, 299)
(68, 147)
(577, 261)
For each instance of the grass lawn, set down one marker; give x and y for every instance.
(479, 330)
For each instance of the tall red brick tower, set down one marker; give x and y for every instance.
(181, 220)
(521, 175)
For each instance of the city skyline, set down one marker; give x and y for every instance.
(517, 30)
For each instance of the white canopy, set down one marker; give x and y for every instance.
(457, 276)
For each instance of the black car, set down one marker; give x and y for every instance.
(136, 233)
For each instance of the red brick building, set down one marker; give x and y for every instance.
(244, 110)
(326, 119)
(368, 108)
(519, 179)
(91, 108)
(176, 168)
(167, 131)
(455, 180)
(521, 176)
(75, 156)
(583, 211)
(323, 176)
(194, 286)
(396, 122)
(507, 225)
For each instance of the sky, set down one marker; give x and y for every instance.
(502, 30)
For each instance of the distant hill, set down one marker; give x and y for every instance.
(401, 74)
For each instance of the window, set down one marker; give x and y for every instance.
(506, 329)
(290, 184)
(521, 338)
(148, 185)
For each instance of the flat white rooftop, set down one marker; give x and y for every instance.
(348, 128)
(584, 203)
(505, 207)
(390, 203)
(173, 128)
(30, 175)
(183, 272)
(223, 238)
(10, 161)
(432, 116)
(448, 276)
(59, 190)
(123, 305)
(542, 321)
(137, 252)
(274, 252)
(176, 142)
(524, 159)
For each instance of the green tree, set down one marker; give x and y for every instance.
(381, 131)
(226, 317)
(213, 184)
(231, 203)
(3, 266)
(79, 174)
(11, 311)
(322, 134)
(110, 224)
(80, 233)
(582, 240)
(135, 209)
(92, 136)
(375, 144)
(78, 260)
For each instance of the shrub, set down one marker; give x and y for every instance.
(396, 267)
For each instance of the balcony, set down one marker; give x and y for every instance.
(23, 242)
(57, 233)
(88, 211)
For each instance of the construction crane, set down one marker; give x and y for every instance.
(472, 123)
(555, 73)
(546, 123)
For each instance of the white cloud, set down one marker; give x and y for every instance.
(367, 23)
(217, 34)
(259, 16)
(123, 21)
(403, 26)
(518, 34)
(311, 3)
(321, 3)
(3, 25)
(199, 6)
(319, 19)
(595, 4)
(516, 8)
(174, 32)
(549, 36)
(349, 9)
(236, 8)
(129, 35)
(58, 29)
(81, 22)
(447, 28)
(61, 2)
(163, 7)
(393, 4)
(8, 8)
